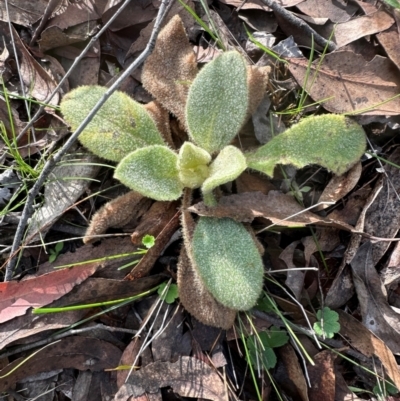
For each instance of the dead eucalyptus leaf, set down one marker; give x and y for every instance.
(275, 206)
(356, 28)
(376, 313)
(340, 186)
(337, 11)
(368, 344)
(189, 377)
(350, 83)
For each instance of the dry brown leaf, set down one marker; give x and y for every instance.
(253, 182)
(295, 276)
(340, 186)
(135, 13)
(294, 372)
(275, 206)
(383, 216)
(390, 41)
(171, 68)
(32, 11)
(337, 11)
(73, 352)
(351, 83)
(62, 191)
(322, 377)
(368, 344)
(36, 80)
(376, 313)
(356, 28)
(189, 377)
(176, 9)
(258, 4)
(342, 287)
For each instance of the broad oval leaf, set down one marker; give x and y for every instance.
(217, 102)
(228, 262)
(193, 165)
(226, 167)
(151, 171)
(331, 141)
(119, 127)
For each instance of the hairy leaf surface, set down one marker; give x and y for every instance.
(119, 127)
(151, 171)
(228, 262)
(217, 102)
(331, 141)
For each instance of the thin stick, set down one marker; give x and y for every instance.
(50, 164)
(296, 21)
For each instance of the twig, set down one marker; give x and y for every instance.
(296, 21)
(50, 164)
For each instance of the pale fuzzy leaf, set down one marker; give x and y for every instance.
(193, 165)
(228, 262)
(120, 126)
(151, 171)
(217, 102)
(331, 141)
(227, 166)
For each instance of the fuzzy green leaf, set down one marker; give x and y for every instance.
(120, 126)
(226, 167)
(327, 324)
(151, 171)
(228, 262)
(331, 141)
(193, 165)
(217, 102)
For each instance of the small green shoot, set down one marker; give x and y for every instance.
(328, 323)
(54, 252)
(171, 294)
(261, 346)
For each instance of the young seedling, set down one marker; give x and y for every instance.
(221, 256)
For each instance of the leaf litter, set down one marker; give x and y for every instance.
(361, 75)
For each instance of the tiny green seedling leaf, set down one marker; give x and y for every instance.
(148, 241)
(151, 171)
(193, 165)
(327, 324)
(260, 347)
(228, 262)
(53, 253)
(217, 102)
(226, 167)
(331, 141)
(172, 293)
(383, 389)
(119, 127)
